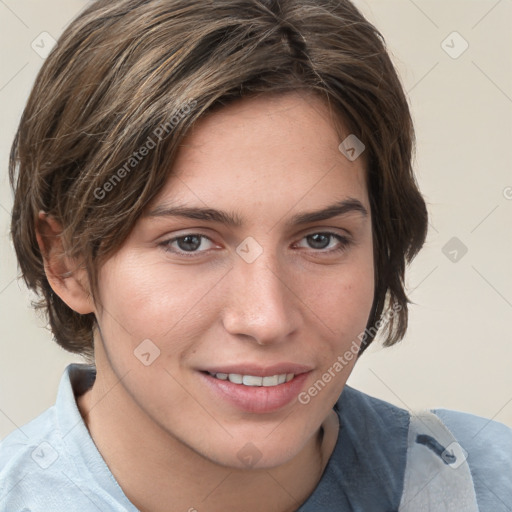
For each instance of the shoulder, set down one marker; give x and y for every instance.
(52, 463)
(477, 432)
(372, 450)
(36, 472)
(21, 443)
(377, 430)
(29, 458)
(41, 442)
(488, 447)
(484, 436)
(378, 433)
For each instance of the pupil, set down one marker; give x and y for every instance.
(319, 241)
(189, 243)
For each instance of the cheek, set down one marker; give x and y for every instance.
(342, 300)
(152, 300)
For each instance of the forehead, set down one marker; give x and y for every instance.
(278, 152)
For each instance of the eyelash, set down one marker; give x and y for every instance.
(344, 243)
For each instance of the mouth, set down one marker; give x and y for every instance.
(256, 390)
(254, 380)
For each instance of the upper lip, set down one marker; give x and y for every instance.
(259, 370)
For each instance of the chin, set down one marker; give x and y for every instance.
(261, 453)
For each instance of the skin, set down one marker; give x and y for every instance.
(166, 438)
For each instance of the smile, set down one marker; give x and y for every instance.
(271, 390)
(254, 380)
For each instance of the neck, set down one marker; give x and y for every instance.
(155, 469)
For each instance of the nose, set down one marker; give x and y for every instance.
(261, 304)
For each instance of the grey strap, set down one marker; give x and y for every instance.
(437, 475)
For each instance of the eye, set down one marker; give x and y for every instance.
(325, 242)
(192, 243)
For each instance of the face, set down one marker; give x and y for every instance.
(233, 307)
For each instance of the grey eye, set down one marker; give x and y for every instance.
(189, 243)
(319, 240)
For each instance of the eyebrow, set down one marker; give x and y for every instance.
(340, 208)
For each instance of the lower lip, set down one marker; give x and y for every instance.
(256, 399)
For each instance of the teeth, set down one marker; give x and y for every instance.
(253, 380)
(235, 378)
(270, 381)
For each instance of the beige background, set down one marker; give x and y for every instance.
(458, 350)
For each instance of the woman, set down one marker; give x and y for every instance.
(216, 202)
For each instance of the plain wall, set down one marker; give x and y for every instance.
(457, 353)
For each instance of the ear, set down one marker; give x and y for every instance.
(67, 278)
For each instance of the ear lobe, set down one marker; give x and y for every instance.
(67, 278)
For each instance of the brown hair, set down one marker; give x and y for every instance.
(128, 72)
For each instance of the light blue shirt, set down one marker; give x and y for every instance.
(52, 464)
